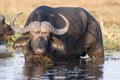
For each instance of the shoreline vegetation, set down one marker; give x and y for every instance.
(106, 13)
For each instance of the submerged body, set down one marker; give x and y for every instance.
(80, 36)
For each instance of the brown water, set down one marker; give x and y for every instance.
(14, 68)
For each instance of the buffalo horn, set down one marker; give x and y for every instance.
(2, 17)
(18, 29)
(63, 30)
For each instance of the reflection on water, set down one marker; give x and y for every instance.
(112, 66)
(14, 68)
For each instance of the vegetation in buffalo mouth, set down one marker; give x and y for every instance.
(105, 11)
(39, 59)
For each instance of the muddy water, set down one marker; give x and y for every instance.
(14, 68)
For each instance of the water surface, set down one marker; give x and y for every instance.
(14, 68)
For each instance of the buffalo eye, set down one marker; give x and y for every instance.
(45, 35)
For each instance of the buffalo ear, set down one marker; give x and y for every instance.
(58, 45)
(21, 42)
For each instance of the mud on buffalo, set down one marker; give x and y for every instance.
(61, 33)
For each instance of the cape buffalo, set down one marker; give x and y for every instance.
(5, 29)
(61, 33)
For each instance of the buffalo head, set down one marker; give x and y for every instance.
(40, 36)
(4, 28)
